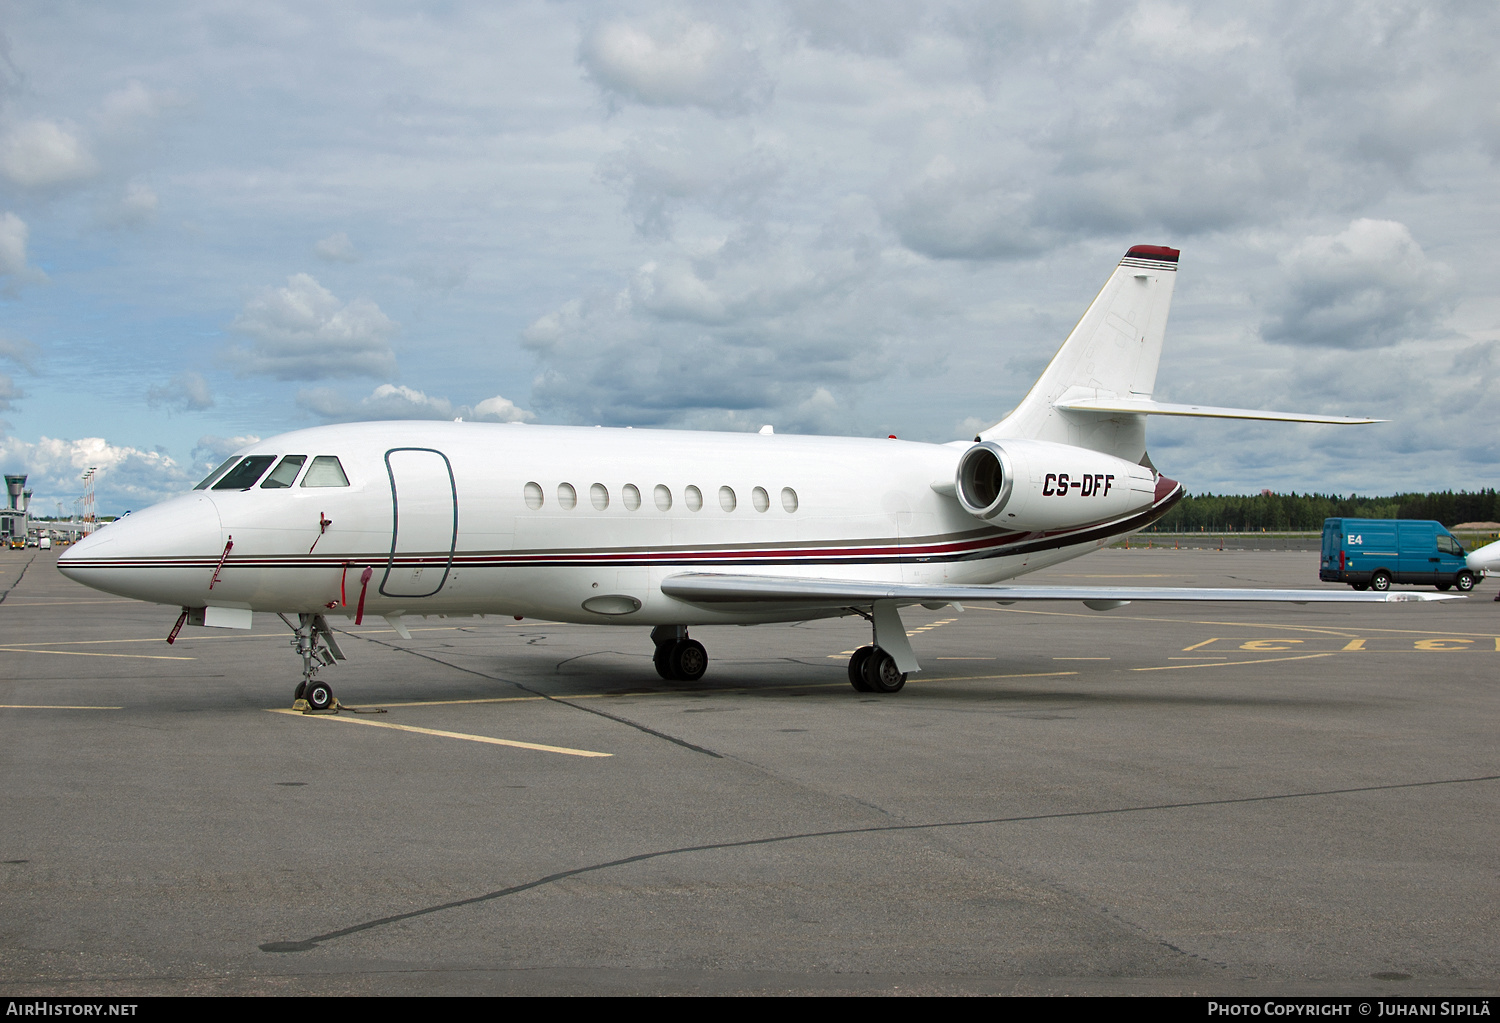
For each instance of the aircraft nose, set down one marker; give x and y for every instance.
(1485, 558)
(152, 554)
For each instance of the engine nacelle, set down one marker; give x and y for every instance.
(1037, 485)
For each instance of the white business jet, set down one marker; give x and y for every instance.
(672, 529)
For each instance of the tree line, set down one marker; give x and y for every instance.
(1276, 512)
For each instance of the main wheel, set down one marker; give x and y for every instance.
(857, 668)
(1464, 581)
(688, 660)
(319, 696)
(301, 691)
(881, 673)
(663, 660)
(1380, 581)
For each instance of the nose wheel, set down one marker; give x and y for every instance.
(313, 640)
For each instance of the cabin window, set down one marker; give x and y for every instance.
(694, 498)
(244, 475)
(632, 495)
(760, 499)
(208, 480)
(325, 471)
(285, 474)
(599, 496)
(566, 495)
(533, 496)
(663, 496)
(1448, 545)
(789, 499)
(726, 499)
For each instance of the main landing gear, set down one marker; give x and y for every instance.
(872, 670)
(313, 640)
(678, 659)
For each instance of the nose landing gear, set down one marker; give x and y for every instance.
(313, 640)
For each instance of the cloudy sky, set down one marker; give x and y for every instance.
(224, 220)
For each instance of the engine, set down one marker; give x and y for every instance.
(1039, 485)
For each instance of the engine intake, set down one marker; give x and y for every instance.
(1039, 485)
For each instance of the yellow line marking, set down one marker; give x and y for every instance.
(449, 735)
(1201, 657)
(1355, 644)
(968, 658)
(1231, 664)
(1195, 646)
(86, 653)
(1344, 632)
(50, 706)
(1080, 658)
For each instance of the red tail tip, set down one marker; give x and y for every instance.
(1154, 252)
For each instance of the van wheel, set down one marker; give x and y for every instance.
(1445, 587)
(1380, 581)
(1464, 581)
(1360, 586)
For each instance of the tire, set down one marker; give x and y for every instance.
(688, 660)
(857, 669)
(663, 660)
(1445, 587)
(301, 691)
(1360, 586)
(1380, 581)
(319, 696)
(1464, 581)
(881, 673)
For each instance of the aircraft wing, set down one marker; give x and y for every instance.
(1147, 407)
(751, 590)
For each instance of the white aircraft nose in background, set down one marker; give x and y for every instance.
(1484, 559)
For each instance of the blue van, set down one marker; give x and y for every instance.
(1373, 553)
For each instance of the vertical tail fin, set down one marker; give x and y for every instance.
(1112, 353)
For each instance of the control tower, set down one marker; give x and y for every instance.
(13, 518)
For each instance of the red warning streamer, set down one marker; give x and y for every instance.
(220, 566)
(364, 584)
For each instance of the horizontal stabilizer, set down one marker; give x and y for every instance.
(1147, 407)
(720, 589)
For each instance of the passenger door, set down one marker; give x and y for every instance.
(424, 522)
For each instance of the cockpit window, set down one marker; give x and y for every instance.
(325, 471)
(285, 474)
(244, 475)
(221, 470)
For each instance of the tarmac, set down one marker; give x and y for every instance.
(1165, 799)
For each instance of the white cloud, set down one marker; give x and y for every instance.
(19, 350)
(337, 248)
(185, 392)
(211, 451)
(126, 477)
(675, 62)
(393, 401)
(13, 236)
(41, 153)
(1369, 286)
(9, 392)
(303, 332)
